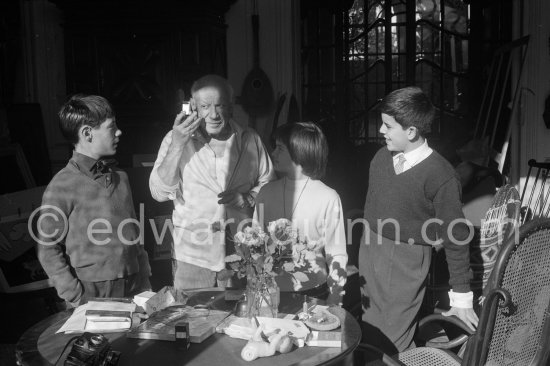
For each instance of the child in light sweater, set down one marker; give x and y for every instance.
(300, 157)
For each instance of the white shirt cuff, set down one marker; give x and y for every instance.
(161, 189)
(463, 300)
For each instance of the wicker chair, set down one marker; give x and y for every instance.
(535, 194)
(515, 321)
(500, 222)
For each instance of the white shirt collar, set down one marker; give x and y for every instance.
(415, 156)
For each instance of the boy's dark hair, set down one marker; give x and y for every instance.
(409, 106)
(83, 110)
(307, 146)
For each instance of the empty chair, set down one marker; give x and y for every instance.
(498, 225)
(536, 191)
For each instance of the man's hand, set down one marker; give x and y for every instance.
(467, 315)
(184, 127)
(233, 199)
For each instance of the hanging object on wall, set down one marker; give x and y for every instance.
(257, 92)
(498, 109)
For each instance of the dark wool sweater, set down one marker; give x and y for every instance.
(429, 190)
(82, 197)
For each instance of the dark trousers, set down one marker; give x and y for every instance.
(394, 281)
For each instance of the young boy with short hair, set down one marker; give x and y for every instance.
(413, 200)
(88, 243)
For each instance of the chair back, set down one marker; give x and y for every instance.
(515, 322)
(499, 223)
(536, 191)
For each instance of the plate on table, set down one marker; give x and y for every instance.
(323, 320)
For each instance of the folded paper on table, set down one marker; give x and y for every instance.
(236, 327)
(165, 297)
(77, 322)
(142, 298)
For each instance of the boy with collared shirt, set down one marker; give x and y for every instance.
(89, 242)
(413, 199)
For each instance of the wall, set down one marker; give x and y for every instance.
(42, 79)
(43, 74)
(279, 41)
(530, 133)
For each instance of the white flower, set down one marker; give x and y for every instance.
(232, 258)
(251, 236)
(297, 285)
(288, 266)
(339, 280)
(310, 256)
(300, 276)
(282, 232)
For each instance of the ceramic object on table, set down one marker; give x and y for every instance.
(323, 320)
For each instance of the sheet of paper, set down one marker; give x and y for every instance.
(77, 321)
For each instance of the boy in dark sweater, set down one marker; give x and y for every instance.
(413, 202)
(89, 240)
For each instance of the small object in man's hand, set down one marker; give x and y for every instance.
(185, 108)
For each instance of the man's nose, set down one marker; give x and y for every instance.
(118, 132)
(212, 112)
(382, 129)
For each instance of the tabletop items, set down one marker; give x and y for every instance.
(199, 314)
(100, 315)
(266, 336)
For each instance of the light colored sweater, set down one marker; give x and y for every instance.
(316, 211)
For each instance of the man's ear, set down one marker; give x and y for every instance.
(85, 133)
(230, 109)
(412, 133)
(193, 105)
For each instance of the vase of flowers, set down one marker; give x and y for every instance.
(260, 256)
(262, 296)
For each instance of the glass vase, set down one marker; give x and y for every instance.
(262, 296)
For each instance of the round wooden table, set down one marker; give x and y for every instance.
(40, 345)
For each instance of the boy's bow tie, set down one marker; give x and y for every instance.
(103, 166)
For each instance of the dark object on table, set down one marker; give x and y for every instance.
(92, 349)
(183, 335)
(241, 308)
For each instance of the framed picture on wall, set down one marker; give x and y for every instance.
(19, 265)
(20, 269)
(13, 160)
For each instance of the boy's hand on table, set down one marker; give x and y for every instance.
(467, 315)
